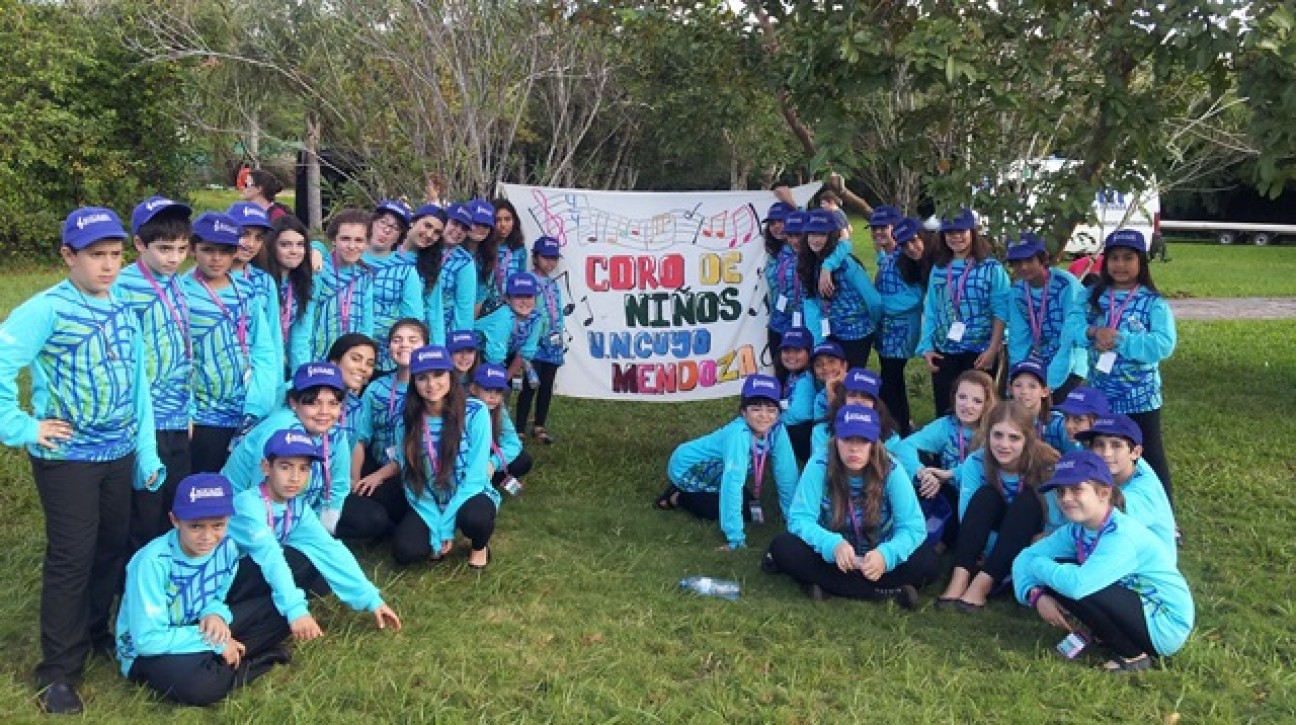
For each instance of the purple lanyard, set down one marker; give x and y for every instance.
(962, 444)
(240, 322)
(551, 302)
(759, 454)
(328, 472)
(287, 517)
(1114, 313)
(286, 309)
(1037, 324)
(1077, 537)
(956, 294)
(430, 448)
(856, 524)
(180, 318)
(344, 303)
(501, 274)
(796, 281)
(391, 398)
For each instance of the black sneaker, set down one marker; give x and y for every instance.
(816, 593)
(60, 698)
(768, 565)
(906, 596)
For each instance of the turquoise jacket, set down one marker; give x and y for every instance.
(1145, 336)
(163, 317)
(236, 371)
(984, 298)
(330, 479)
(1056, 347)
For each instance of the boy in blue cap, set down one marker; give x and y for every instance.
(397, 288)
(89, 436)
(510, 335)
(181, 629)
(1082, 406)
(1119, 442)
(1046, 303)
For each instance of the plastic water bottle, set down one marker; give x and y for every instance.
(533, 378)
(709, 587)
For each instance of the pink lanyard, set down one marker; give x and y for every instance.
(391, 398)
(181, 319)
(328, 472)
(287, 517)
(430, 448)
(286, 309)
(344, 302)
(1084, 552)
(501, 274)
(496, 450)
(1114, 313)
(961, 442)
(240, 322)
(1037, 324)
(956, 294)
(759, 454)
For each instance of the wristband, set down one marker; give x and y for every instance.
(1034, 596)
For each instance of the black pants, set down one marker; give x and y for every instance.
(1016, 522)
(948, 368)
(517, 468)
(1154, 447)
(202, 678)
(706, 504)
(209, 448)
(547, 372)
(390, 495)
(894, 393)
(412, 541)
(1059, 395)
(1115, 615)
(795, 558)
(857, 351)
(250, 582)
(775, 341)
(801, 435)
(150, 509)
(87, 539)
(363, 518)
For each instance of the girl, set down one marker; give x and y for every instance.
(1043, 299)
(549, 354)
(1119, 443)
(798, 385)
(830, 368)
(345, 283)
(427, 226)
(855, 529)
(780, 262)
(1123, 586)
(354, 356)
(708, 474)
(787, 299)
(444, 459)
(998, 494)
(966, 307)
(463, 353)
(397, 291)
(261, 188)
(508, 462)
(1026, 385)
(250, 263)
(287, 266)
(850, 312)
(951, 437)
(1129, 330)
(882, 223)
(902, 282)
(511, 255)
(511, 335)
(483, 243)
(428, 254)
(1083, 405)
(458, 278)
(861, 387)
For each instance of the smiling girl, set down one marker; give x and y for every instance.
(397, 291)
(850, 314)
(298, 305)
(951, 437)
(902, 282)
(345, 283)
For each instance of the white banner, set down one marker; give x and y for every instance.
(665, 299)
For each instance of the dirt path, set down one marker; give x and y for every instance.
(1234, 308)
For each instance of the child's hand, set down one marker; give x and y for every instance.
(1050, 611)
(931, 358)
(844, 555)
(385, 615)
(826, 287)
(1105, 339)
(929, 482)
(233, 652)
(986, 359)
(446, 546)
(873, 566)
(366, 485)
(317, 260)
(305, 628)
(51, 433)
(214, 629)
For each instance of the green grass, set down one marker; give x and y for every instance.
(578, 618)
(1213, 270)
(220, 199)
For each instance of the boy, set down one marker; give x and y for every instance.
(151, 287)
(181, 629)
(1118, 440)
(831, 203)
(249, 262)
(511, 334)
(235, 380)
(344, 283)
(1045, 302)
(90, 438)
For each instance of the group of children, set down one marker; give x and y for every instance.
(224, 427)
(1020, 492)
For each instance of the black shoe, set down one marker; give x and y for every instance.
(768, 565)
(60, 698)
(906, 596)
(271, 657)
(816, 593)
(105, 648)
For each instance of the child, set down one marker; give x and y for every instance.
(511, 335)
(781, 281)
(463, 353)
(90, 437)
(860, 387)
(1119, 443)
(425, 251)
(345, 284)
(385, 399)
(1124, 586)
(966, 307)
(444, 460)
(708, 475)
(882, 222)
(1026, 385)
(829, 365)
(855, 529)
(235, 379)
(951, 437)
(549, 353)
(427, 225)
(1043, 299)
(902, 282)
(848, 314)
(508, 462)
(458, 275)
(483, 243)
(510, 258)
(298, 304)
(1083, 405)
(831, 203)
(1129, 329)
(354, 355)
(798, 390)
(181, 630)
(1000, 508)
(397, 291)
(151, 287)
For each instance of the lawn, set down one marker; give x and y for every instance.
(578, 618)
(1198, 269)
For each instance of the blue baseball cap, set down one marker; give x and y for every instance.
(90, 224)
(521, 284)
(395, 207)
(963, 221)
(430, 358)
(1129, 238)
(547, 247)
(1084, 400)
(797, 338)
(482, 211)
(884, 216)
(214, 227)
(905, 230)
(819, 222)
(1114, 424)
(863, 380)
(288, 443)
(246, 214)
(828, 348)
(428, 210)
(1032, 366)
(459, 213)
(857, 421)
(151, 207)
(491, 377)
(461, 340)
(203, 496)
(1026, 246)
(761, 386)
(1077, 467)
(795, 222)
(314, 374)
(778, 212)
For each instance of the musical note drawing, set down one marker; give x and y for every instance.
(570, 307)
(589, 320)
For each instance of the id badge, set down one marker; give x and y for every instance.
(781, 304)
(825, 327)
(784, 404)
(247, 375)
(391, 453)
(516, 383)
(1072, 645)
(757, 514)
(555, 339)
(956, 331)
(796, 319)
(1106, 362)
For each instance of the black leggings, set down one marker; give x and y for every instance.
(857, 351)
(1149, 423)
(150, 509)
(363, 518)
(547, 372)
(411, 543)
(1115, 615)
(1016, 522)
(775, 341)
(800, 436)
(1059, 395)
(517, 468)
(948, 367)
(795, 558)
(706, 504)
(894, 392)
(209, 448)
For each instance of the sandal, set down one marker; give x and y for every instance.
(1120, 665)
(664, 501)
(946, 602)
(479, 567)
(542, 435)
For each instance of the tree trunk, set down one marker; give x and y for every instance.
(314, 199)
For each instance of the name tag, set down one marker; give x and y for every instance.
(796, 319)
(756, 513)
(1106, 362)
(781, 304)
(825, 327)
(956, 331)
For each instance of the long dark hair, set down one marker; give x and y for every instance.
(428, 263)
(875, 475)
(979, 251)
(302, 276)
(1105, 280)
(487, 257)
(914, 271)
(809, 262)
(452, 428)
(496, 419)
(514, 240)
(773, 245)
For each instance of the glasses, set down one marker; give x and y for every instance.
(387, 225)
